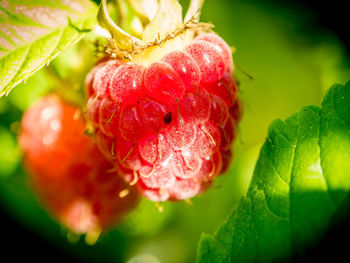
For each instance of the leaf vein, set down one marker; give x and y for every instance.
(44, 58)
(291, 181)
(270, 210)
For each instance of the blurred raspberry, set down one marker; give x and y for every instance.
(69, 174)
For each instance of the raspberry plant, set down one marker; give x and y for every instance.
(148, 102)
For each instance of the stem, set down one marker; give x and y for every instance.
(139, 11)
(122, 11)
(123, 40)
(194, 10)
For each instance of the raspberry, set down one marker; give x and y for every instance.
(89, 80)
(209, 60)
(172, 110)
(68, 172)
(163, 83)
(185, 66)
(221, 46)
(126, 83)
(102, 81)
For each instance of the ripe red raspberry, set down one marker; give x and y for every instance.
(67, 170)
(168, 127)
(165, 110)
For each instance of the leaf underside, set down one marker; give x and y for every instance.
(32, 33)
(300, 180)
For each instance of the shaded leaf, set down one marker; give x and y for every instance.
(300, 180)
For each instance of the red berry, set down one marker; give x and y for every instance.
(195, 106)
(129, 124)
(221, 47)
(148, 148)
(128, 155)
(207, 140)
(186, 67)
(93, 112)
(108, 117)
(171, 122)
(159, 177)
(127, 83)
(151, 114)
(186, 164)
(236, 111)
(89, 80)
(184, 189)
(163, 83)
(68, 172)
(181, 135)
(102, 80)
(210, 61)
(155, 195)
(229, 133)
(218, 111)
(225, 88)
(106, 144)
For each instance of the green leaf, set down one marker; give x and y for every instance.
(300, 180)
(32, 33)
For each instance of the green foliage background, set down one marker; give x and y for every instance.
(289, 69)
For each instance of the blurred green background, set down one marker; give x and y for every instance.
(291, 67)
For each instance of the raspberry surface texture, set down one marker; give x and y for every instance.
(68, 172)
(168, 126)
